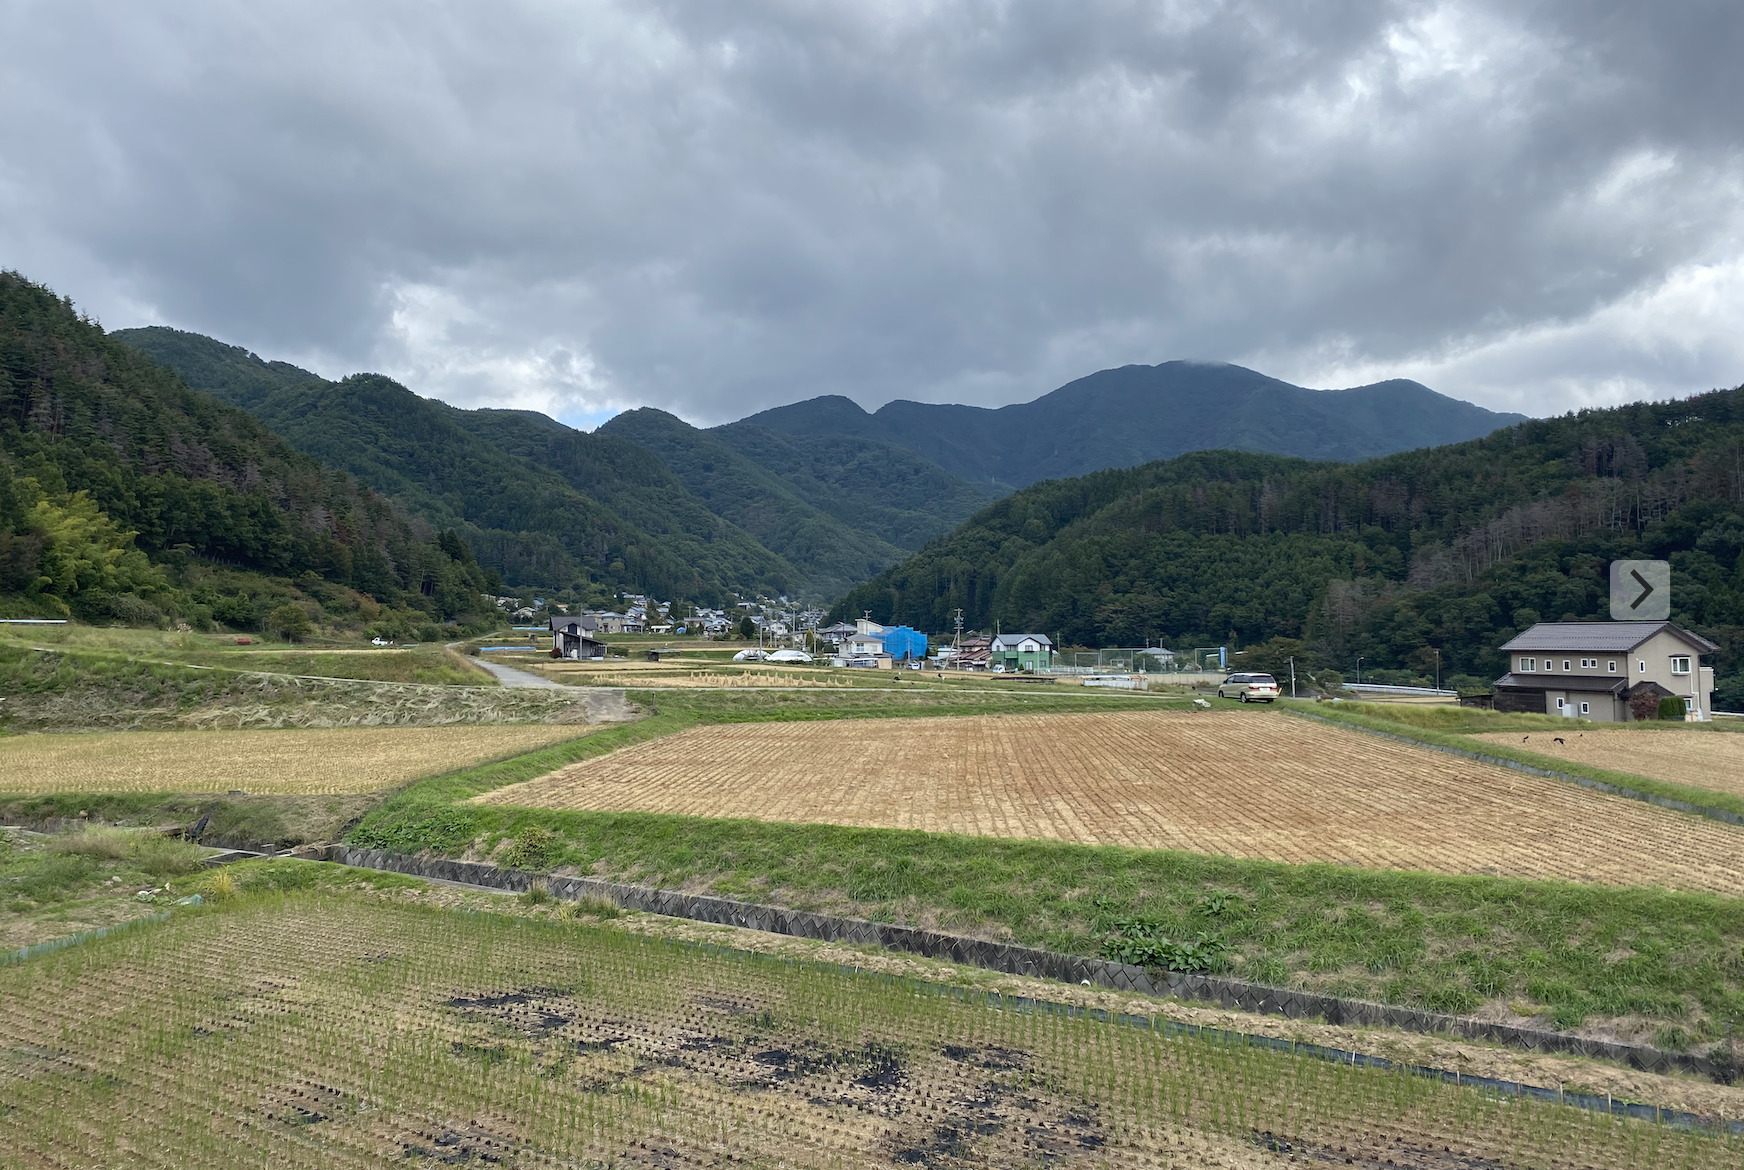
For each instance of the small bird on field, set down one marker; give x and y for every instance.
(1524, 738)
(1560, 740)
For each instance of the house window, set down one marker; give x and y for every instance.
(1613, 665)
(1679, 664)
(1589, 663)
(1689, 703)
(1565, 664)
(1586, 708)
(1528, 665)
(1561, 703)
(1642, 666)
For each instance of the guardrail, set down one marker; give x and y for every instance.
(1385, 689)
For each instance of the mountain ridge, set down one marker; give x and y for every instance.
(1136, 414)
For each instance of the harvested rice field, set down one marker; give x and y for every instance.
(1232, 783)
(1700, 758)
(685, 672)
(315, 761)
(337, 1033)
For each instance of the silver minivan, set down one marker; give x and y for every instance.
(1249, 688)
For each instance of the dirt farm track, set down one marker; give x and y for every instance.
(1234, 783)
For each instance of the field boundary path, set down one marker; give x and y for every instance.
(1013, 959)
(510, 677)
(1700, 810)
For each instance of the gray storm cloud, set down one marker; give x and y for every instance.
(717, 208)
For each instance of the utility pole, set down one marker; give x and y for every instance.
(958, 640)
(1292, 676)
(1438, 668)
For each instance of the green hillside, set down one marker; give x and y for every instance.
(893, 493)
(828, 553)
(126, 495)
(523, 519)
(637, 486)
(1455, 547)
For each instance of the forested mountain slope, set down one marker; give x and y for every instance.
(1452, 548)
(125, 494)
(540, 522)
(1136, 414)
(830, 554)
(636, 485)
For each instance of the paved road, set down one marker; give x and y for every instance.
(510, 677)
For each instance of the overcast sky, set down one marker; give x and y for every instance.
(715, 208)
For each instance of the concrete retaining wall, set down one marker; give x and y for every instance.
(1236, 994)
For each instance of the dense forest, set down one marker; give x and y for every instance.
(647, 503)
(1435, 555)
(534, 500)
(127, 496)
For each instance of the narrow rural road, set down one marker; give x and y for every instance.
(510, 677)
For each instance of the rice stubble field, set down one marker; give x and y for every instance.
(306, 761)
(335, 1032)
(1245, 785)
(1699, 758)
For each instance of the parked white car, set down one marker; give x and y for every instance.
(1249, 688)
(788, 656)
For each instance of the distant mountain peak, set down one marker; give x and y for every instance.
(1136, 413)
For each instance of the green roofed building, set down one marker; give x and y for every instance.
(1014, 652)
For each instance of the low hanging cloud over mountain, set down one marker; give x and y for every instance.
(718, 208)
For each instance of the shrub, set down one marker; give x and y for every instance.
(1671, 707)
(592, 906)
(290, 622)
(532, 848)
(157, 855)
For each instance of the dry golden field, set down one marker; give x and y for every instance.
(319, 761)
(1232, 783)
(1700, 758)
(698, 673)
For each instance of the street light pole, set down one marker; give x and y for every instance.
(1359, 659)
(1292, 676)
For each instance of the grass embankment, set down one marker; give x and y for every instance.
(327, 1030)
(52, 886)
(80, 689)
(1455, 727)
(1664, 966)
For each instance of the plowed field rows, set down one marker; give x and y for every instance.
(1260, 786)
(318, 761)
(345, 1035)
(1702, 759)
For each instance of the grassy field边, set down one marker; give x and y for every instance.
(81, 689)
(304, 1031)
(305, 761)
(1641, 961)
(1228, 782)
(56, 885)
(1650, 964)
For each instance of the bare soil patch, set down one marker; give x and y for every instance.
(1225, 783)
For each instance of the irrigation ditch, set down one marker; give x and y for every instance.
(1013, 959)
